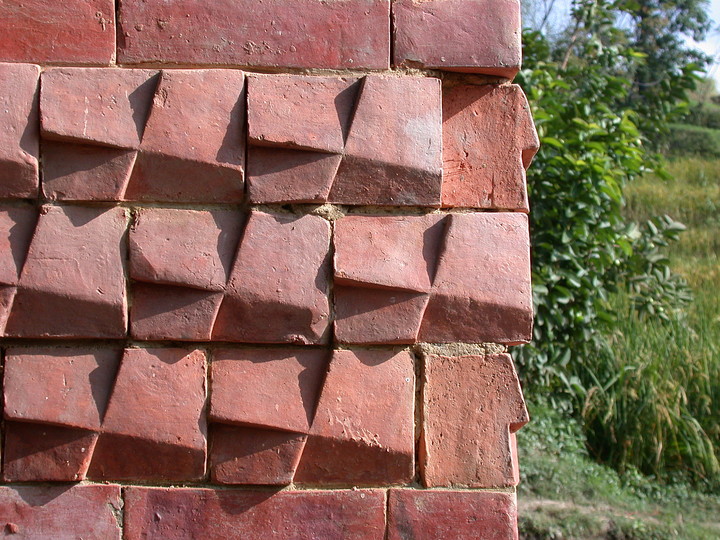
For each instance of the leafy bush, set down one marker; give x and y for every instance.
(687, 140)
(704, 114)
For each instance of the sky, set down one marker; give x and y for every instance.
(712, 44)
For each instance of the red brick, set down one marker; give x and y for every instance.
(189, 248)
(284, 515)
(83, 172)
(440, 515)
(476, 36)
(71, 387)
(74, 267)
(173, 313)
(43, 453)
(61, 511)
(277, 291)
(471, 406)
(101, 106)
(274, 388)
(493, 301)
(351, 34)
(196, 129)
(72, 31)
(19, 135)
(489, 140)
(7, 295)
(393, 152)
(242, 455)
(363, 428)
(16, 228)
(154, 428)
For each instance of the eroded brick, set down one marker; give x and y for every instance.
(75, 31)
(471, 405)
(17, 224)
(363, 427)
(284, 515)
(476, 36)
(351, 34)
(19, 135)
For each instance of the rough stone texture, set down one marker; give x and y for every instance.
(271, 388)
(285, 515)
(78, 511)
(438, 515)
(243, 455)
(376, 141)
(471, 405)
(476, 36)
(491, 303)
(18, 125)
(156, 415)
(351, 34)
(193, 145)
(363, 428)
(489, 140)
(75, 268)
(72, 31)
(277, 291)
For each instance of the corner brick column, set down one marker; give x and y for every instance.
(260, 265)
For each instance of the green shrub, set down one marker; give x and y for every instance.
(687, 140)
(705, 114)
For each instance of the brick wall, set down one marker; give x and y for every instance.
(260, 263)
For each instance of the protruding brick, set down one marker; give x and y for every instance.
(45, 453)
(19, 136)
(103, 106)
(350, 34)
(489, 140)
(72, 31)
(242, 455)
(74, 268)
(471, 406)
(154, 428)
(439, 515)
(71, 387)
(196, 130)
(80, 511)
(475, 36)
(277, 291)
(493, 301)
(17, 225)
(363, 428)
(274, 388)
(188, 248)
(285, 515)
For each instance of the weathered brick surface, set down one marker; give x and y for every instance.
(477, 36)
(363, 428)
(18, 127)
(438, 515)
(489, 140)
(285, 515)
(471, 406)
(72, 31)
(352, 34)
(17, 224)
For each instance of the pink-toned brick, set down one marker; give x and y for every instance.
(363, 428)
(284, 515)
(439, 515)
(196, 129)
(273, 388)
(79, 511)
(72, 31)
(19, 136)
(489, 140)
(103, 106)
(75, 268)
(351, 34)
(154, 427)
(277, 291)
(17, 224)
(476, 36)
(472, 404)
(242, 455)
(491, 302)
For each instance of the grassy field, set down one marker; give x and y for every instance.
(661, 411)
